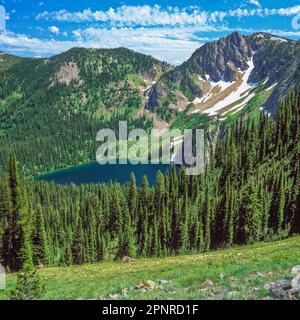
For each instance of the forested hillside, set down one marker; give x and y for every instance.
(249, 192)
(51, 109)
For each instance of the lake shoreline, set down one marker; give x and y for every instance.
(94, 173)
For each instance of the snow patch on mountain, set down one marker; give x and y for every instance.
(203, 99)
(278, 39)
(235, 95)
(241, 105)
(272, 86)
(222, 84)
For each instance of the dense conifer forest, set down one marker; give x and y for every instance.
(250, 192)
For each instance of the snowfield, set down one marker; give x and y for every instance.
(235, 95)
(241, 105)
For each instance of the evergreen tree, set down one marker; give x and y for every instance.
(132, 196)
(16, 249)
(78, 244)
(5, 209)
(39, 240)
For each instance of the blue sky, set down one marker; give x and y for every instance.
(169, 30)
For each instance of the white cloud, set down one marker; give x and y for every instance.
(14, 43)
(173, 45)
(147, 16)
(255, 2)
(131, 16)
(169, 44)
(287, 11)
(76, 33)
(54, 29)
(283, 33)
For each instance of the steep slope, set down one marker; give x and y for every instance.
(51, 109)
(227, 74)
(277, 61)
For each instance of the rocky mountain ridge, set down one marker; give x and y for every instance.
(218, 65)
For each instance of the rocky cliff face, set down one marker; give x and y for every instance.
(208, 77)
(221, 59)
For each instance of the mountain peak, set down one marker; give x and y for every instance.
(235, 37)
(221, 59)
(222, 66)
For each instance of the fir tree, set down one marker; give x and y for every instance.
(39, 240)
(16, 248)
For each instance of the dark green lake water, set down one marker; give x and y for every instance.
(95, 173)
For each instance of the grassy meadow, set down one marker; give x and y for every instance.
(237, 273)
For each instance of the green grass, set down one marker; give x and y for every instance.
(251, 108)
(10, 100)
(232, 271)
(192, 121)
(136, 79)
